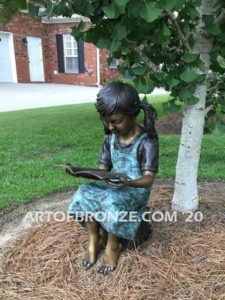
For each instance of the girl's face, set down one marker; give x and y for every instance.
(119, 123)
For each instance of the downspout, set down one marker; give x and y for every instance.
(98, 67)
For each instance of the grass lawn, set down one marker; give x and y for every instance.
(33, 141)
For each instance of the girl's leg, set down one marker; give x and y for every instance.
(112, 254)
(93, 243)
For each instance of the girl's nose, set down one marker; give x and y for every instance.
(111, 127)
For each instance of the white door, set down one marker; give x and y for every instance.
(7, 58)
(34, 48)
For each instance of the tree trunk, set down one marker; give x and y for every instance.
(185, 197)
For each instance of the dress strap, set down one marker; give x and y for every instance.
(113, 138)
(135, 144)
(138, 141)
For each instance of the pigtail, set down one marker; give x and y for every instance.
(150, 116)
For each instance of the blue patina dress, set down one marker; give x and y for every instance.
(119, 210)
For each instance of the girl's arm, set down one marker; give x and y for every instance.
(143, 182)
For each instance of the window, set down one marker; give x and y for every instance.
(114, 62)
(70, 54)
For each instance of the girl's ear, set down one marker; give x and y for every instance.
(132, 117)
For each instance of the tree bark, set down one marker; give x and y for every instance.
(185, 197)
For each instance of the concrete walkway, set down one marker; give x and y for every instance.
(18, 96)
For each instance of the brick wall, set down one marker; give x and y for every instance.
(90, 59)
(23, 25)
(107, 73)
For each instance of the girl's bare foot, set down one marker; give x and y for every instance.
(93, 244)
(92, 253)
(111, 256)
(87, 263)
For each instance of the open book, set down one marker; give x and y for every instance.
(92, 173)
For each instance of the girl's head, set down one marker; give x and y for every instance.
(121, 98)
(118, 97)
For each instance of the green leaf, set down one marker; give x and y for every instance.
(121, 6)
(193, 12)
(76, 30)
(210, 26)
(120, 9)
(49, 10)
(134, 8)
(214, 29)
(200, 65)
(83, 7)
(196, 3)
(110, 60)
(121, 32)
(179, 4)
(69, 12)
(110, 10)
(168, 4)
(121, 2)
(21, 4)
(141, 70)
(114, 45)
(187, 96)
(149, 12)
(172, 81)
(171, 107)
(189, 75)
(159, 39)
(144, 100)
(141, 86)
(159, 75)
(165, 30)
(184, 94)
(221, 102)
(219, 128)
(201, 77)
(190, 57)
(192, 100)
(33, 9)
(221, 61)
(208, 19)
(102, 43)
(60, 9)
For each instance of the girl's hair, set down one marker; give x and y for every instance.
(118, 97)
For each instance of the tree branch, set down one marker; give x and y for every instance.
(221, 17)
(179, 32)
(207, 110)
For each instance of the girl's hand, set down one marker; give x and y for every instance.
(69, 170)
(145, 181)
(123, 182)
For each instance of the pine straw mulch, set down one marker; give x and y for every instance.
(182, 260)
